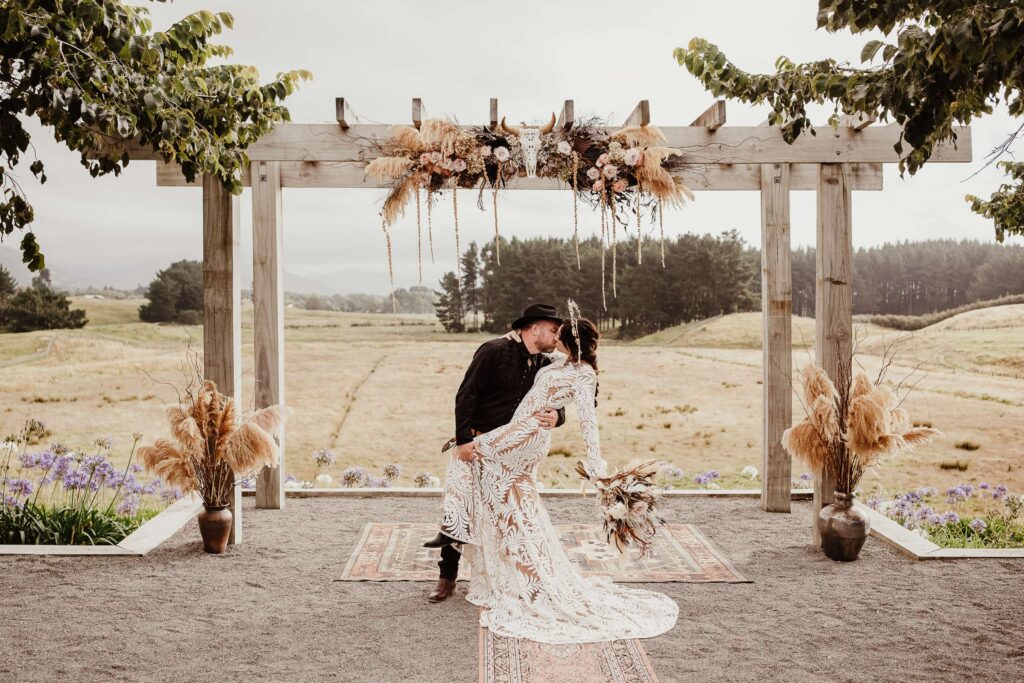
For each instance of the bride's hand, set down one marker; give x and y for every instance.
(547, 418)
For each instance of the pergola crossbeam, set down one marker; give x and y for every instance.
(712, 118)
(640, 116)
(567, 116)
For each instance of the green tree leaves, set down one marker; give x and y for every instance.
(949, 63)
(97, 74)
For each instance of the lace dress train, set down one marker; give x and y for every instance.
(521, 574)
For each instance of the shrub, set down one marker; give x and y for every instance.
(175, 295)
(42, 308)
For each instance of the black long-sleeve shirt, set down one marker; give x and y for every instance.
(497, 379)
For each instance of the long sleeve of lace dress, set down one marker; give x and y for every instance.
(515, 434)
(585, 389)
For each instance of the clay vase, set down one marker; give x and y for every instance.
(215, 528)
(843, 528)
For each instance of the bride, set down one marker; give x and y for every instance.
(521, 574)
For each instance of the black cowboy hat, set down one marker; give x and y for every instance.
(537, 312)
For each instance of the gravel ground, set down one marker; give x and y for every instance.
(270, 610)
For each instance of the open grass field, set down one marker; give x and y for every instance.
(377, 391)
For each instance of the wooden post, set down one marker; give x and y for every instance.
(777, 356)
(268, 314)
(833, 301)
(222, 311)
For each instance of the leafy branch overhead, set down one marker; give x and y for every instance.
(96, 73)
(941, 64)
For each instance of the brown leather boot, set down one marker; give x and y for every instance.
(442, 591)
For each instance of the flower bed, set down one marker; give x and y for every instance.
(965, 516)
(61, 496)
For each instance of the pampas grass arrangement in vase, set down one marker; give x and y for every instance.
(845, 432)
(213, 448)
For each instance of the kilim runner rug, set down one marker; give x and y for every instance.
(394, 552)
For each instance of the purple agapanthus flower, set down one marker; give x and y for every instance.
(983, 485)
(978, 525)
(20, 487)
(392, 471)
(129, 505)
(706, 477)
(949, 517)
(324, 457)
(999, 492)
(353, 476)
(104, 442)
(806, 476)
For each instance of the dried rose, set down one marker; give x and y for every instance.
(610, 171)
(593, 173)
(602, 160)
(501, 153)
(632, 157)
(458, 165)
(620, 185)
(598, 186)
(425, 158)
(435, 157)
(485, 151)
(564, 147)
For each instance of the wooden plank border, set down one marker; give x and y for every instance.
(148, 536)
(918, 548)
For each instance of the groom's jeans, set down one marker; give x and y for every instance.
(449, 564)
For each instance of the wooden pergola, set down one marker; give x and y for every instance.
(833, 163)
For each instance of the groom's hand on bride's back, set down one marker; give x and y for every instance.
(466, 451)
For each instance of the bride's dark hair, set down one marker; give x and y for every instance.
(588, 341)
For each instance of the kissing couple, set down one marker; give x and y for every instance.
(514, 392)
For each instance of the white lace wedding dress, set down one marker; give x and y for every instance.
(521, 574)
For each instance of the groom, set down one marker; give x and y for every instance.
(497, 379)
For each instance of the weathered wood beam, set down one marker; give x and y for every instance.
(640, 116)
(417, 112)
(222, 305)
(833, 301)
(493, 125)
(339, 112)
(729, 144)
(713, 117)
(699, 177)
(858, 122)
(777, 354)
(567, 116)
(268, 315)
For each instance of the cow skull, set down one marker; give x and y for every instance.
(529, 140)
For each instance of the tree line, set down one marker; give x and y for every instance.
(36, 307)
(707, 275)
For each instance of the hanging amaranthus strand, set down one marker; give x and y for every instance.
(419, 234)
(639, 241)
(614, 220)
(458, 248)
(497, 239)
(575, 208)
(430, 230)
(391, 265)
(604, 232)
(661, 229)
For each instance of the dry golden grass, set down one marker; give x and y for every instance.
(376, 392)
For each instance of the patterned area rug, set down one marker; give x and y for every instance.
(511, 660)
(394, 552)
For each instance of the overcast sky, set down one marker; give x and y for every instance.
(456, 55)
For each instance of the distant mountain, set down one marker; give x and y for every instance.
(133, 274)
(62, 278)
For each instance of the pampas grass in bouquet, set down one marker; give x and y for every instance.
(213, 444)
(629, 500)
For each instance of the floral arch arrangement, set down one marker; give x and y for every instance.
(623, 173)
